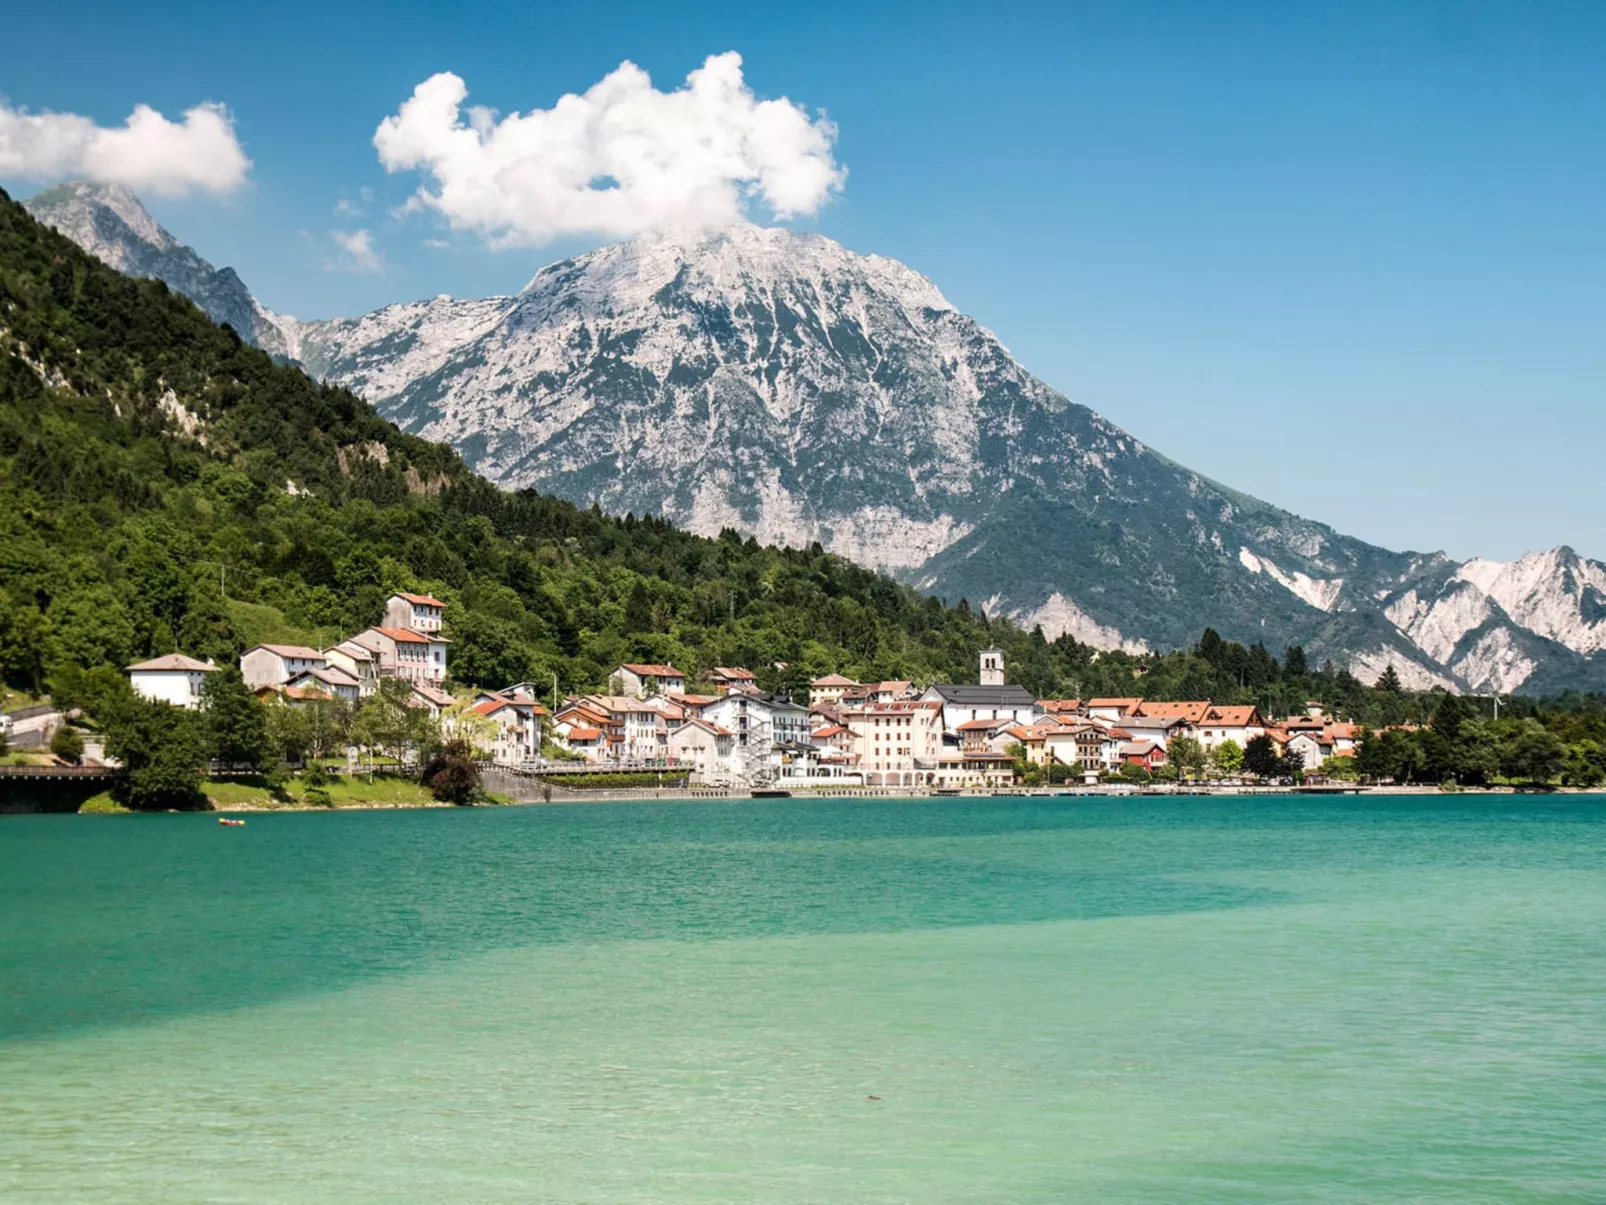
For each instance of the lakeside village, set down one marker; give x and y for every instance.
(723, 731)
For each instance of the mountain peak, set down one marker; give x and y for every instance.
(108, 221)
(84, 204)
(739, 264)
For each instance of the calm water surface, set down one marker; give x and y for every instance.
(952, 1000)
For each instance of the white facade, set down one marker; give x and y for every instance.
(403, 653)
(356, 661)
(704, 747)
(992, 667)
(277, 664)
(174, 679)
(415, 612)
(642, 680)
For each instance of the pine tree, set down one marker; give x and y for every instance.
(1390, 681)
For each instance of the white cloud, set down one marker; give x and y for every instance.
(621, 158)
(147, 152)
(346, 207)
(357, 252)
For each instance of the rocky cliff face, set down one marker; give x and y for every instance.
(779, 384)
(109, 222)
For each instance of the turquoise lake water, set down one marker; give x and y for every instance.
(1244, 1000)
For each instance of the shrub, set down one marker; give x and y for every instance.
(66, 744)
(317, 797)
(451, 775)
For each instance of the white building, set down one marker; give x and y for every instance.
(517, 727)
(358, 662)
(992, 667)
(277, 664)
(404, 653)
(896, 744)
(706, 748)
(336, 683)
(1238, 724)
(641, 729)
(174, 679)
(415, 612)
(828, 689)
(641, 680)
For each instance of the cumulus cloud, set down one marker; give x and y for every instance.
(621, 158)
(357, 252)
(147, 152)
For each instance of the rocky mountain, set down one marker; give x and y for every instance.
(777, 383)
(109, 222)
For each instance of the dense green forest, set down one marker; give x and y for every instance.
(164, 486)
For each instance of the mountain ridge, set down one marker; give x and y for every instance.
(780, 384)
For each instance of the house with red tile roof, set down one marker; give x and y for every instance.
(642, 679)
(828, 689)
(726, 678)
(1238, 724)
(1113, 709)
(416, 612)
(406, 653)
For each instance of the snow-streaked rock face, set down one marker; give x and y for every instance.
(1556, 594)
(1369, 665)
(1321, 594)
(1436, 625)
(779, 384)
(109, 222)
(1059, 616)
(1495, 663)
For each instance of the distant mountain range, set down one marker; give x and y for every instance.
(782, 385)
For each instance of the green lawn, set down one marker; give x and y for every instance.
(15, 700)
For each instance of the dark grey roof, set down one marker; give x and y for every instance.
(985, 696)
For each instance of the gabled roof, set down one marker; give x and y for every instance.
(584, 734)
(1123, 704)
(1060, 704)
(288, 650)
(980, 725)
(436, 696)
(828, 731)
(420, 600)
(1138, 748)
(334, 676)
(175, 663)
(1234, 717)
(1192, 711)
(734, 673)
(349, 648)
(651, 671)
(833, 680)
(693, 701)
(400, 635)
(964, 695)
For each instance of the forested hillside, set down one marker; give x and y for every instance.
(165, 486)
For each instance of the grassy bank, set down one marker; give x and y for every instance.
(344, 791)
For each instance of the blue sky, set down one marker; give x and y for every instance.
(1346, 257)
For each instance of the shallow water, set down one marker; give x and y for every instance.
(1192, 1000)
